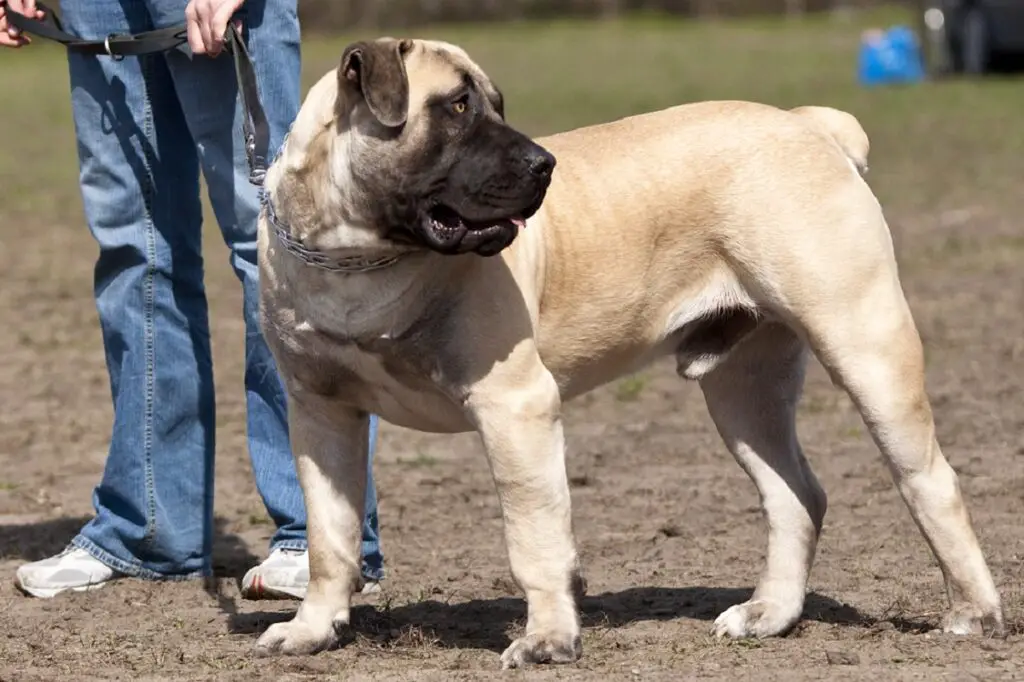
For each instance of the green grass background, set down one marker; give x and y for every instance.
(934, 145)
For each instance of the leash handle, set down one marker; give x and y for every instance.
(115, 45)
(47, 27)
(255, 130)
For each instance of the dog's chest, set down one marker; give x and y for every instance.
(383, 375)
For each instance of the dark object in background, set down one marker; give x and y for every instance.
(979, 36)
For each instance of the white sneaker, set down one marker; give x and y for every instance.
(285, 575)
(73, 569)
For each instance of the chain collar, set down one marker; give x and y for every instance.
(319, 259)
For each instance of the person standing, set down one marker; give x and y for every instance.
(146, 127)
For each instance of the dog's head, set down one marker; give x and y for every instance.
(422, 151)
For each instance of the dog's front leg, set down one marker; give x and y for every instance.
(330, 450)
(521, 428)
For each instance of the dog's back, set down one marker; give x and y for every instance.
(670, 203)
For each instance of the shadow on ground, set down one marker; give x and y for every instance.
(37, 540)
(33, 541)
(485, 623)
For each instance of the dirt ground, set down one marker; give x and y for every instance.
(668, 525)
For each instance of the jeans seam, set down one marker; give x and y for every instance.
(149, 312)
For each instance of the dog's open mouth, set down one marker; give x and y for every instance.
(449, 224)
(447, 231)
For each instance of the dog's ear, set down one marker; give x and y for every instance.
(377, 70)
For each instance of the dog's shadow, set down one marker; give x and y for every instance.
(485, 623)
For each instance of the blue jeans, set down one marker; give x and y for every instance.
(145, 127)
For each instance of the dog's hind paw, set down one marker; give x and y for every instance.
(968, 620)
(539, 648)
(295, 638)
(756, 618)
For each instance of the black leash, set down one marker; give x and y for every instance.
(119, 46)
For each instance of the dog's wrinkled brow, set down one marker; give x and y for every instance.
(466, 83)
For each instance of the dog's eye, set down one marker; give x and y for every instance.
(459, 106)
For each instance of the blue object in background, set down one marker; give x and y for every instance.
(888, 57)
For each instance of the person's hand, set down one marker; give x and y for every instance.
(10, 36)
(207, 22)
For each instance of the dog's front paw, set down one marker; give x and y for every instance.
(969, 620)
(295, 638)
(542, 648)
(756, 618)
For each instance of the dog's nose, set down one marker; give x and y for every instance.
(540, 162)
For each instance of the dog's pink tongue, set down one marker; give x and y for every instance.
(519, 222)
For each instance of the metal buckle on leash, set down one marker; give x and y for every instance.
(254, 123)
(257, 172)
(110, 53)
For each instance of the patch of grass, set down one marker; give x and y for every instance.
(851, 432)
(630, 389)
(816, 404)
(1011, 242)
(422, 459)
(259, 519)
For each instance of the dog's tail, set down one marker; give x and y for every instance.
(842, 127)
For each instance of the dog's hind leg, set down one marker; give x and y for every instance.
(752, 398)
(866, 338)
